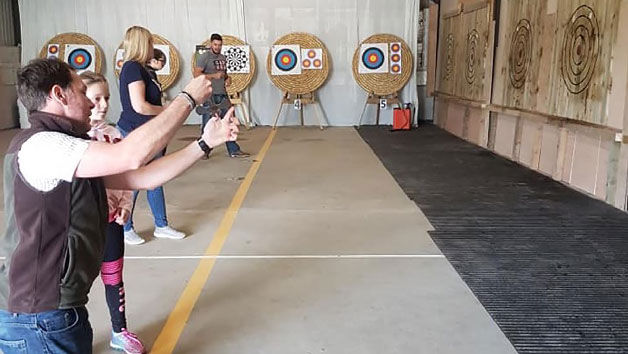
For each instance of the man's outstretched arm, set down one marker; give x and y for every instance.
(143, 143)
(217, 131)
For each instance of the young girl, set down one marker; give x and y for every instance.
(120, 203)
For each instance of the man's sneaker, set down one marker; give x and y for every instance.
(240, 154)
(168, 232)
(127, 342)
(132, 238)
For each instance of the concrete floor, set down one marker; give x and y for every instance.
(328, 256)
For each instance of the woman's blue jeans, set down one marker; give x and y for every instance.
(156, 198)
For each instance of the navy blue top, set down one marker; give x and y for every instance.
(133, 71)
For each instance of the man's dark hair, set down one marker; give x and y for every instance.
(215, 37)
(159, 55)
(35, 80)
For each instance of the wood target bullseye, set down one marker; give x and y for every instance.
(520, 53)
(472, 54)
(581, 47)
(449, 57)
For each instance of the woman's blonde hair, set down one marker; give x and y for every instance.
(90, 78)
(138, 45)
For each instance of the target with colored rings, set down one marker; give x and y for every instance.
(53, 51)
(62, 45)
(373, 58)
(286, 59)
(312, 58)
(385, 80)
(395, 58)
(79, 59)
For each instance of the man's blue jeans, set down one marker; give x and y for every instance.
(232, 146)
(156, 199)
(57, 331)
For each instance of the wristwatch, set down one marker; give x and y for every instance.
(203, 145)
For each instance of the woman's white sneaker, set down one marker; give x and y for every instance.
(168, 232)
(132, 238)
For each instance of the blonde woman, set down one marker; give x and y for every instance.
(141, 101)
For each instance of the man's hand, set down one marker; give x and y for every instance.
(216, 76)
(200, 88)
(122, 216)
(218, 131)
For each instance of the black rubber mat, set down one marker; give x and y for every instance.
(548, 263)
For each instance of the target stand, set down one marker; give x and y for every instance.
(298, 101)
(379, 101)
(237, 100)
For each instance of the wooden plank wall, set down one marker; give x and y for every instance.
(554, 57)
(558, 98)
(465, 53)
(473, 60)
(448, 53)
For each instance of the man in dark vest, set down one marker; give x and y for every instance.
(56, 206)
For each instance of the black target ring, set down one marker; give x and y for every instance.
(581, 47)
(471, 59)
(449, 57)
(520, 53)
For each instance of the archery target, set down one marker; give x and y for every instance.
(312, 58)
(53, 51)
(286, 59)
(238, 58)
(395, 58)
(119, 59)
(166, 50)
(373, 58)
(80, 57)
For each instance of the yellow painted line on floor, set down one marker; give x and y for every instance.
(170, 333)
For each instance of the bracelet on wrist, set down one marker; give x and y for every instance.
(188, 98)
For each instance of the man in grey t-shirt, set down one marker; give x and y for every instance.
(214, 66)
